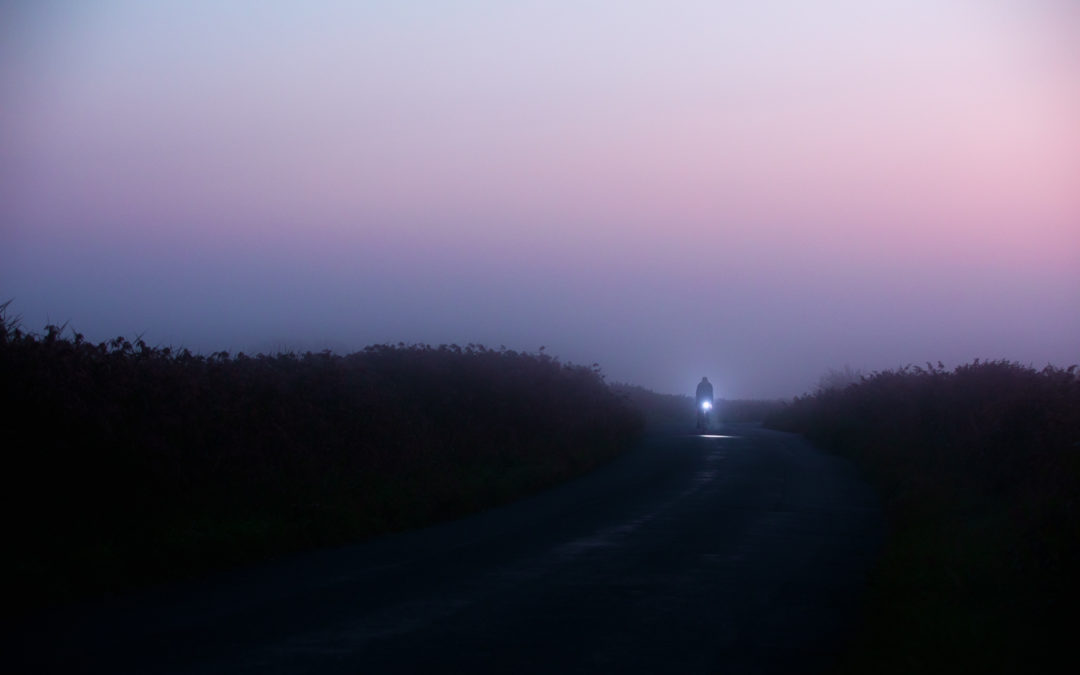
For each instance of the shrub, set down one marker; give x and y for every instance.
(128, 463)
(667, 412)
(979, 471)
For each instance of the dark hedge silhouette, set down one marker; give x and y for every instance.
(675, 413)
(979, 471)
(745, 410)
(127, 464)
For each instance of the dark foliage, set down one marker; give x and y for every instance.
(979, 470)
(662, 412)
(672, 412)
(127, 463)
(747, 410)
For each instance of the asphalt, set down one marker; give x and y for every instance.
(745, 551)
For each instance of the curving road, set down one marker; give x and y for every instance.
(738, 553)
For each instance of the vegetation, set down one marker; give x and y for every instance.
(127, 464)
(661, 412)
(741, 410)
(979, 471)
(667, 412)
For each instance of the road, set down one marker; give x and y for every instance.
(741, 552)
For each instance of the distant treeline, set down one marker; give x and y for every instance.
(979, 470)
(126, 463)
(665, 412)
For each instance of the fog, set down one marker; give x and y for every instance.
(755, 193)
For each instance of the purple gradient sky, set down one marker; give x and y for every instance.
(756, 191)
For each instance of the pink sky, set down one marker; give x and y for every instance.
(753, 191)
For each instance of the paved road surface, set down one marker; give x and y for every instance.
(738, 553)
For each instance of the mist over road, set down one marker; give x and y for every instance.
(743, 552)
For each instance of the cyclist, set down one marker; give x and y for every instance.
(704, 403)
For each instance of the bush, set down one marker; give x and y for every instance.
(979, 471)
(667, 412)
(129, 464)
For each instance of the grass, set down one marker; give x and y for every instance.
(979, 472)
(128, 464)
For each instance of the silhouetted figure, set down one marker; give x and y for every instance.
(704, 403)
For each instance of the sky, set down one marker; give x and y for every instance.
(753, 191)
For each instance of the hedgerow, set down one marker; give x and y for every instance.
(127, 464)
(979, 472)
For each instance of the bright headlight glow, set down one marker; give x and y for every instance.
(706, 405)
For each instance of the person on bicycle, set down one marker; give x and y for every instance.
(704, 402)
